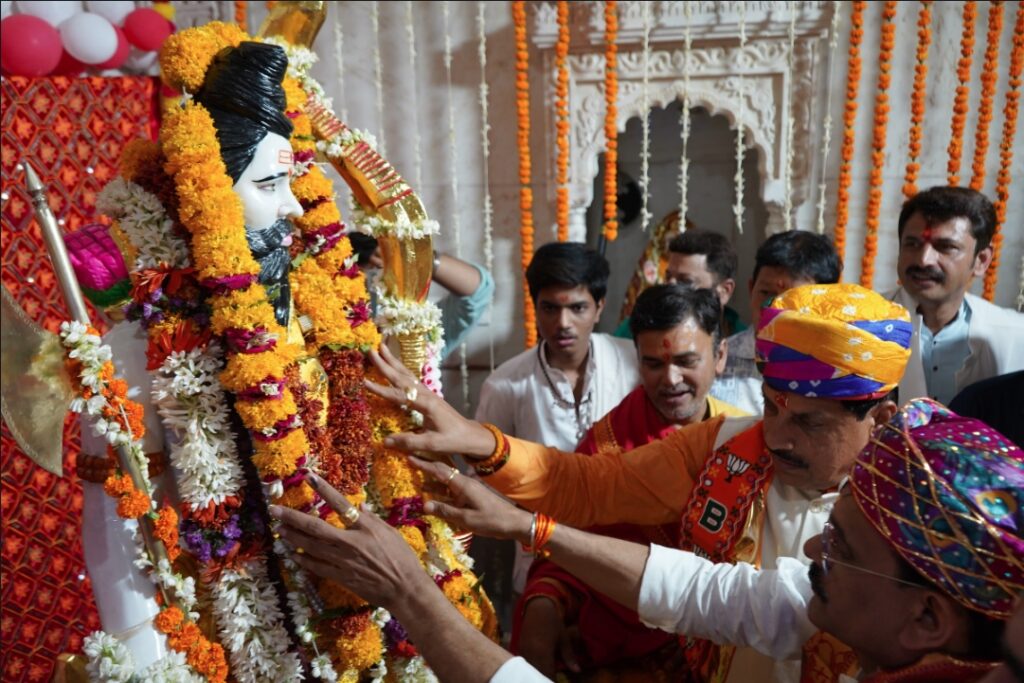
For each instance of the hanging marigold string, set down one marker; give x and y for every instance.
(888, 42)
(1010, 111)
(562, 122)
(242, 14)
(963, 91)
(849, 122)
(611, 131)
(989, 77)
(924, 39)
(523, 141)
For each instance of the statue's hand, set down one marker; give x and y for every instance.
(444, 429)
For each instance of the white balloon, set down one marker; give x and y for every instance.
(89, 38)
(53, 12)
(5, 8)
(113, 11)
(140, 62)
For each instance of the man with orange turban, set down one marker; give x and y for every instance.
(742, 489)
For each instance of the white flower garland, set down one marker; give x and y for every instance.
(410, 33)
(403, 228)
(252, 625)
(145, 222)
(399, 316)
(1020, 292)
(645, 145)
(787, 205)
(485, 146)
(737, 208)
(684, 122)
(378, 76)
(190, 400)
(454, 163)
(110, 661)
(826, 133)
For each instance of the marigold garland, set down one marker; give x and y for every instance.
(888, 42)
(241, 14)
(924, 39)
(611, 115)
(1010, 112)
(523, 143)
(989, 79)
(562, 122)
(853, 70)
(963, 91)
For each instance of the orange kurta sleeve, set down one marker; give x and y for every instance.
(648, 485)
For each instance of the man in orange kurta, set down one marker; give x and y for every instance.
(680, 349)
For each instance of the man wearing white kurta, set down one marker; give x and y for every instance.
(959, 339)
(553, 393)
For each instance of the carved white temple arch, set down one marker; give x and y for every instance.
(770, 88)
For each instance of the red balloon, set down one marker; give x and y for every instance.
(28, 45)
(120, 54)
(146, 29)
(69, 66)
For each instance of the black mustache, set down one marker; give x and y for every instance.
(930, 273)
(817, 577)
(788, 457)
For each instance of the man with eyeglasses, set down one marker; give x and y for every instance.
(917, 569)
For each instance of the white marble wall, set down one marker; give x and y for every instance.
(416, 110)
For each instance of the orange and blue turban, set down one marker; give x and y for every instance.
(947, 492)
(833, 341)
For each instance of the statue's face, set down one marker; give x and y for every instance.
(264, 186)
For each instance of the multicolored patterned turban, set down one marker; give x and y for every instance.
(833, 341)
(948, 493)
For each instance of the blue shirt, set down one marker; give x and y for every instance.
(943, 354)
(460, 314)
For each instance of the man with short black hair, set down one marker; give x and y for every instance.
(703, 260)
(784, 261)
(677, 333)
(945, 243)
(553, 393)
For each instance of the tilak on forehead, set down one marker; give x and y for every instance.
(837, 341)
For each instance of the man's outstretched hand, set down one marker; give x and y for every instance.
(473, 506)
(444, 429)
(368, 557)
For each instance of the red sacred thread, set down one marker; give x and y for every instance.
(849, 120)
(1010, 112)
(888, 42)
(963, 91)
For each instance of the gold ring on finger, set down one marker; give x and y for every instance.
(350, 516)
(451, 475)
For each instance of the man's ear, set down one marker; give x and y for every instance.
(884, 412)
(982, 261)
(725, 288)
(723, 356)
(936, 624)
(600, 308)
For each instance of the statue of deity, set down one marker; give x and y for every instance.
(246, 333)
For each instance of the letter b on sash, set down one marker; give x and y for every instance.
(713, 516)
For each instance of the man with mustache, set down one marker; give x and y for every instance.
(678, 339)
(916, 570)
(830, 356)
(554, 392)
(945, 243)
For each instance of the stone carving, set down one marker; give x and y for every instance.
(716, 61)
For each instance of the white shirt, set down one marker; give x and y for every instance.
(994, 338)
(765, 610)
(520, 401)
(740, 382)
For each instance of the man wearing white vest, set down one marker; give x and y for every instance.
(945, 243)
